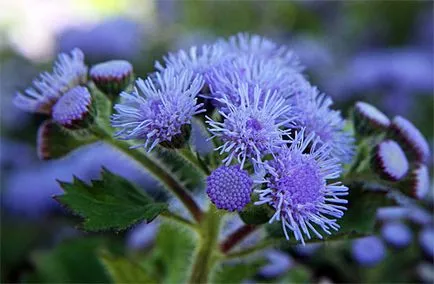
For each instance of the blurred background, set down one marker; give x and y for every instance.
(380, 52)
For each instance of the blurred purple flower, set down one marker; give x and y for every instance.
(29, 190)
(368, 251)
(113, 38)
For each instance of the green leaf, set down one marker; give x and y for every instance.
(256, 215)
(362, 207)
(298, 274)
(123, 270)
(174, 250)
(109, 203)
(73, 261)
(55, 141)
(237, 273)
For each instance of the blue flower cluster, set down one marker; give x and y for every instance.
(265, 116)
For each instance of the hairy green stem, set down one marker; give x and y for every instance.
(236, 237)
(140, 156)
(176, 218)
(258, 247)
(188, 154)
(208, 252)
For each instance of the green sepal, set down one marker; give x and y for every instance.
(55, 141)
(256, 214)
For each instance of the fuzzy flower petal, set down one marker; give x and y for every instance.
(198, 60)
(226, 78)
(263, 48)
(68, 71)
(158, 108)
(252, 129)
(297, 187)
(314, 113)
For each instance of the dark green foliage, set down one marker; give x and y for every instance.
(109, 203)
(74, 261)
(237, 273)
(123, 270)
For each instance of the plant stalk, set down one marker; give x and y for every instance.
(208, 252)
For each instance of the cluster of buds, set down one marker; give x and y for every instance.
(400, 151)
(68, 97)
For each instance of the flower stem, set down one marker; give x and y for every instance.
(176, 218)
(157, 170)
(208, 252)
(236, 237)
(260, 246)
(188, 154)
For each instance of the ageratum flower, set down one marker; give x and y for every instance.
(74, 109)
(113, 76)
(410, 138)
(313, 112)
(227, 77)
(251, 129)
(389, 161)
(160, 109)
(229, 188)
(426, 240)
(68, 71)
(262, 48)
(297, 187)
(368, 251)
(396, 234)
(368, 119)
(198, 60)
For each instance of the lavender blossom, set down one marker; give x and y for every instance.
(229, 188)
(68, 71)
(159, 110)
(410, 138)
(227, 77)
(396, 234)
(74, 108)
(113, 76)
(313, 112)
(199, 60)
(389, 161)
(368, 251)
(297, 188)
(252, 129)
(262, 48)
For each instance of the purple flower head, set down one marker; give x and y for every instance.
(397, 234)
(389, 161)
(159, 108)
(419, 182)
(73, 107)
(251, 129)
(410, 138)
(198, 60)
(262, 48)
(226, 78)
(392, 213)
(426, 240)
(68, 71)
(313, 113)
(112, 76)
(368, 119)
(368, 251)
(297, 188)
(229, 188)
